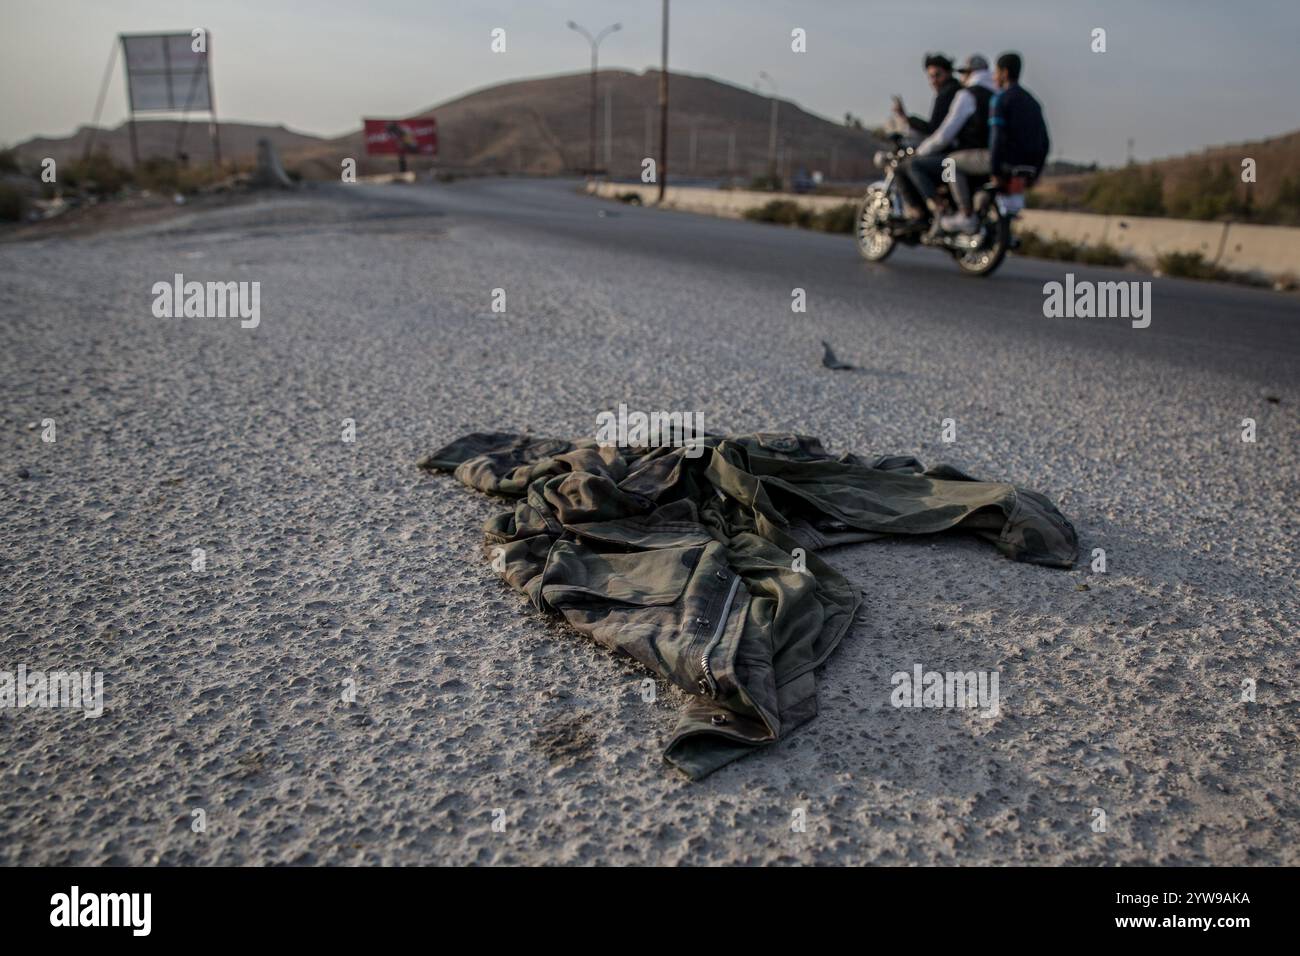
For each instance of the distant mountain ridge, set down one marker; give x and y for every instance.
(162, 137)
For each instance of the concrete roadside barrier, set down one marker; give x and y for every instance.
(1079, 228)
(1145, 239)
(1142, 239)
(1271, 251)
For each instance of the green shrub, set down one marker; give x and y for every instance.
(1208, 194)
(9, 161)
(1063, 250)
(768, 183)
(1102, 255)
(158, 174)
(98, 174)
(840, 219)
(783, 211)
(1189, 265)
(1126, 192)
(1284, 210)
(787, 212)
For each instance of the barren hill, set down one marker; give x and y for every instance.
(541, 126)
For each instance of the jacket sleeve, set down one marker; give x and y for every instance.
(963, 105)
(1046, 140)
(920, 125)
(938, 110)
(997, 133)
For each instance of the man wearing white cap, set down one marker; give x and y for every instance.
(971, 158)
(964, 132)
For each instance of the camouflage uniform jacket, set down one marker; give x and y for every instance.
(689, 564)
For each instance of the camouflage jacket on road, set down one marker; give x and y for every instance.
(688, 564)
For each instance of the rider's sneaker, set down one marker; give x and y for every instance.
(958, 223)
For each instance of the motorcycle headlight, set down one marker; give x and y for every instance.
(880, 160)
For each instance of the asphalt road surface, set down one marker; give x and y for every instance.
(344, 679)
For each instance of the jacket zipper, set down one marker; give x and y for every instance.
(717, 637)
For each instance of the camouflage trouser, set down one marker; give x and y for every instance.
(704, 568)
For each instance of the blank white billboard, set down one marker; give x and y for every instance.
(163, 72)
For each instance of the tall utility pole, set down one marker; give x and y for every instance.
(595, 45)
(609, 129)
(663, 112)
(771, 131)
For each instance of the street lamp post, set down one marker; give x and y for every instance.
(771, 132)
(662, 171)
(595, 45)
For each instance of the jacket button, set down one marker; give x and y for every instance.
(702, 621)
(703, 685)
(722, 575)
(718, 720)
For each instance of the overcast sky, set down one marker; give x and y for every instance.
(1177, 74)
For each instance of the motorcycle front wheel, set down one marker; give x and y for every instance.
(875, 241)
(996, 230)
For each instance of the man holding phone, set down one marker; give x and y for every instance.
(938, 70)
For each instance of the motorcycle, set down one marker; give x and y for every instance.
(882, 223)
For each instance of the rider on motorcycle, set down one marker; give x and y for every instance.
(938, 70)
(1019, 133)
(1017, 138)
(964, 128)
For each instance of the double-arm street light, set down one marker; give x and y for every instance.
(595, 45)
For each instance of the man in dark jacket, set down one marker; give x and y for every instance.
(1017, 132)
(1016, 126)
(938, 70)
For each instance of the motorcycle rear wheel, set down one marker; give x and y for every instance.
(875, 242)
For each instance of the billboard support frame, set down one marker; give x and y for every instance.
(214, 127)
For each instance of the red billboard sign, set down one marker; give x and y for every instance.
(412, 137)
